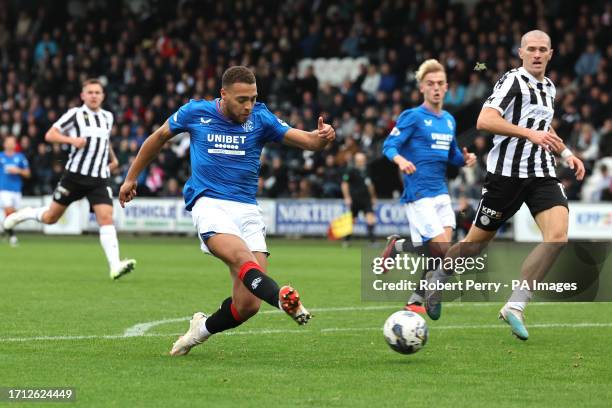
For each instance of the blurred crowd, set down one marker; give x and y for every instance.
(154, 56)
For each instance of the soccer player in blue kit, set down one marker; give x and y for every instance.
(227, 136)
(422, 144)
(13, 168)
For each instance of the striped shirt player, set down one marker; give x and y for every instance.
(95, 128)
(518, 170)
(87, 169)
(87, 130)
(524, 101)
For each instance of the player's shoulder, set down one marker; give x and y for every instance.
(199, 105)
(260, 108)
(74, 110)
(408, 116)
(549, 83)
(107, 113)
(507, 76)
(447, 115)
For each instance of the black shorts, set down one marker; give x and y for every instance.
(503, 196)
(361, 203)
(72, 187)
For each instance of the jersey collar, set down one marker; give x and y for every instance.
(424, 109)
(523, 71)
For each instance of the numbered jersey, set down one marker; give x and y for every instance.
(526, 102)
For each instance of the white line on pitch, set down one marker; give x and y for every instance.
(141, 329)
(306, 331)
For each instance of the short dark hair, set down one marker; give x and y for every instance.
(92, 81)
(237, 74)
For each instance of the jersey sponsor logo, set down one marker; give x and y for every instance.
(248, 126)
(496, 215)
(394, 132)
(442, 141)
(428, 122)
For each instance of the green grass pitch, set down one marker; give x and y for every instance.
(64, 323)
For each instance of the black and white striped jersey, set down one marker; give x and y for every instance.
(95, 127)
(523, 101)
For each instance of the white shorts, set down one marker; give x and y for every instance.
(10, 199)
(428, 217)
(211, 215)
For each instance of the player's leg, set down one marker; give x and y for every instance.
(45, 215)
(8, 205)
(501, 199)
(66, 192)
(110, 243)
(548, 204)
(433, 251)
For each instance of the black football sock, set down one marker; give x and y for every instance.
(258, 283)
(225, 318)
(371, 233)
(10, 233)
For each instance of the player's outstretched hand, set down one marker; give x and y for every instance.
(127, 192)
(576, 164)
(469, 158)
(548, 140)
(326, 131)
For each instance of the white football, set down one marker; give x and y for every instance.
(405, 332)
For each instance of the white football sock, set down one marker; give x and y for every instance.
(204, 331)
(519, 299)
(399, 245)
(110, 244)
(38, 213)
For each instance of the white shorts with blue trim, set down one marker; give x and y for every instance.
(10, 199)
(428, 217)
(213, 216)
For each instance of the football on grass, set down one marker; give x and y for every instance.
(405, 332)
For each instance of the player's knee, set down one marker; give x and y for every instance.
(559, 236)
(242, 256)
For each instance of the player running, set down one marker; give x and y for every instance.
(422, 144)
(520, 169)
(227, 136)
(14, 167)
(87, 129)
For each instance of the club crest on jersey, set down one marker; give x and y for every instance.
(450, 124)
(428, 122)
(248, 126)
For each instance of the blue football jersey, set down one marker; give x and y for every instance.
(224, 154)
(12, 182)
(428, 141)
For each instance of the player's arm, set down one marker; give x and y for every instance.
(372, 190)
(460, 158)
(114, 162)
(572, 161)
(491, 120)
(53, 135)
(315, 140)
(391, 148)
(23, 172)
(148, 151)
(346, 193)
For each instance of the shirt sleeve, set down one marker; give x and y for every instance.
(180, 120)
(399, 135)
(275, 128)
(66, 121)
(23, 163)
(504, 92)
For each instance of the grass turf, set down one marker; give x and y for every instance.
(58, 287)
